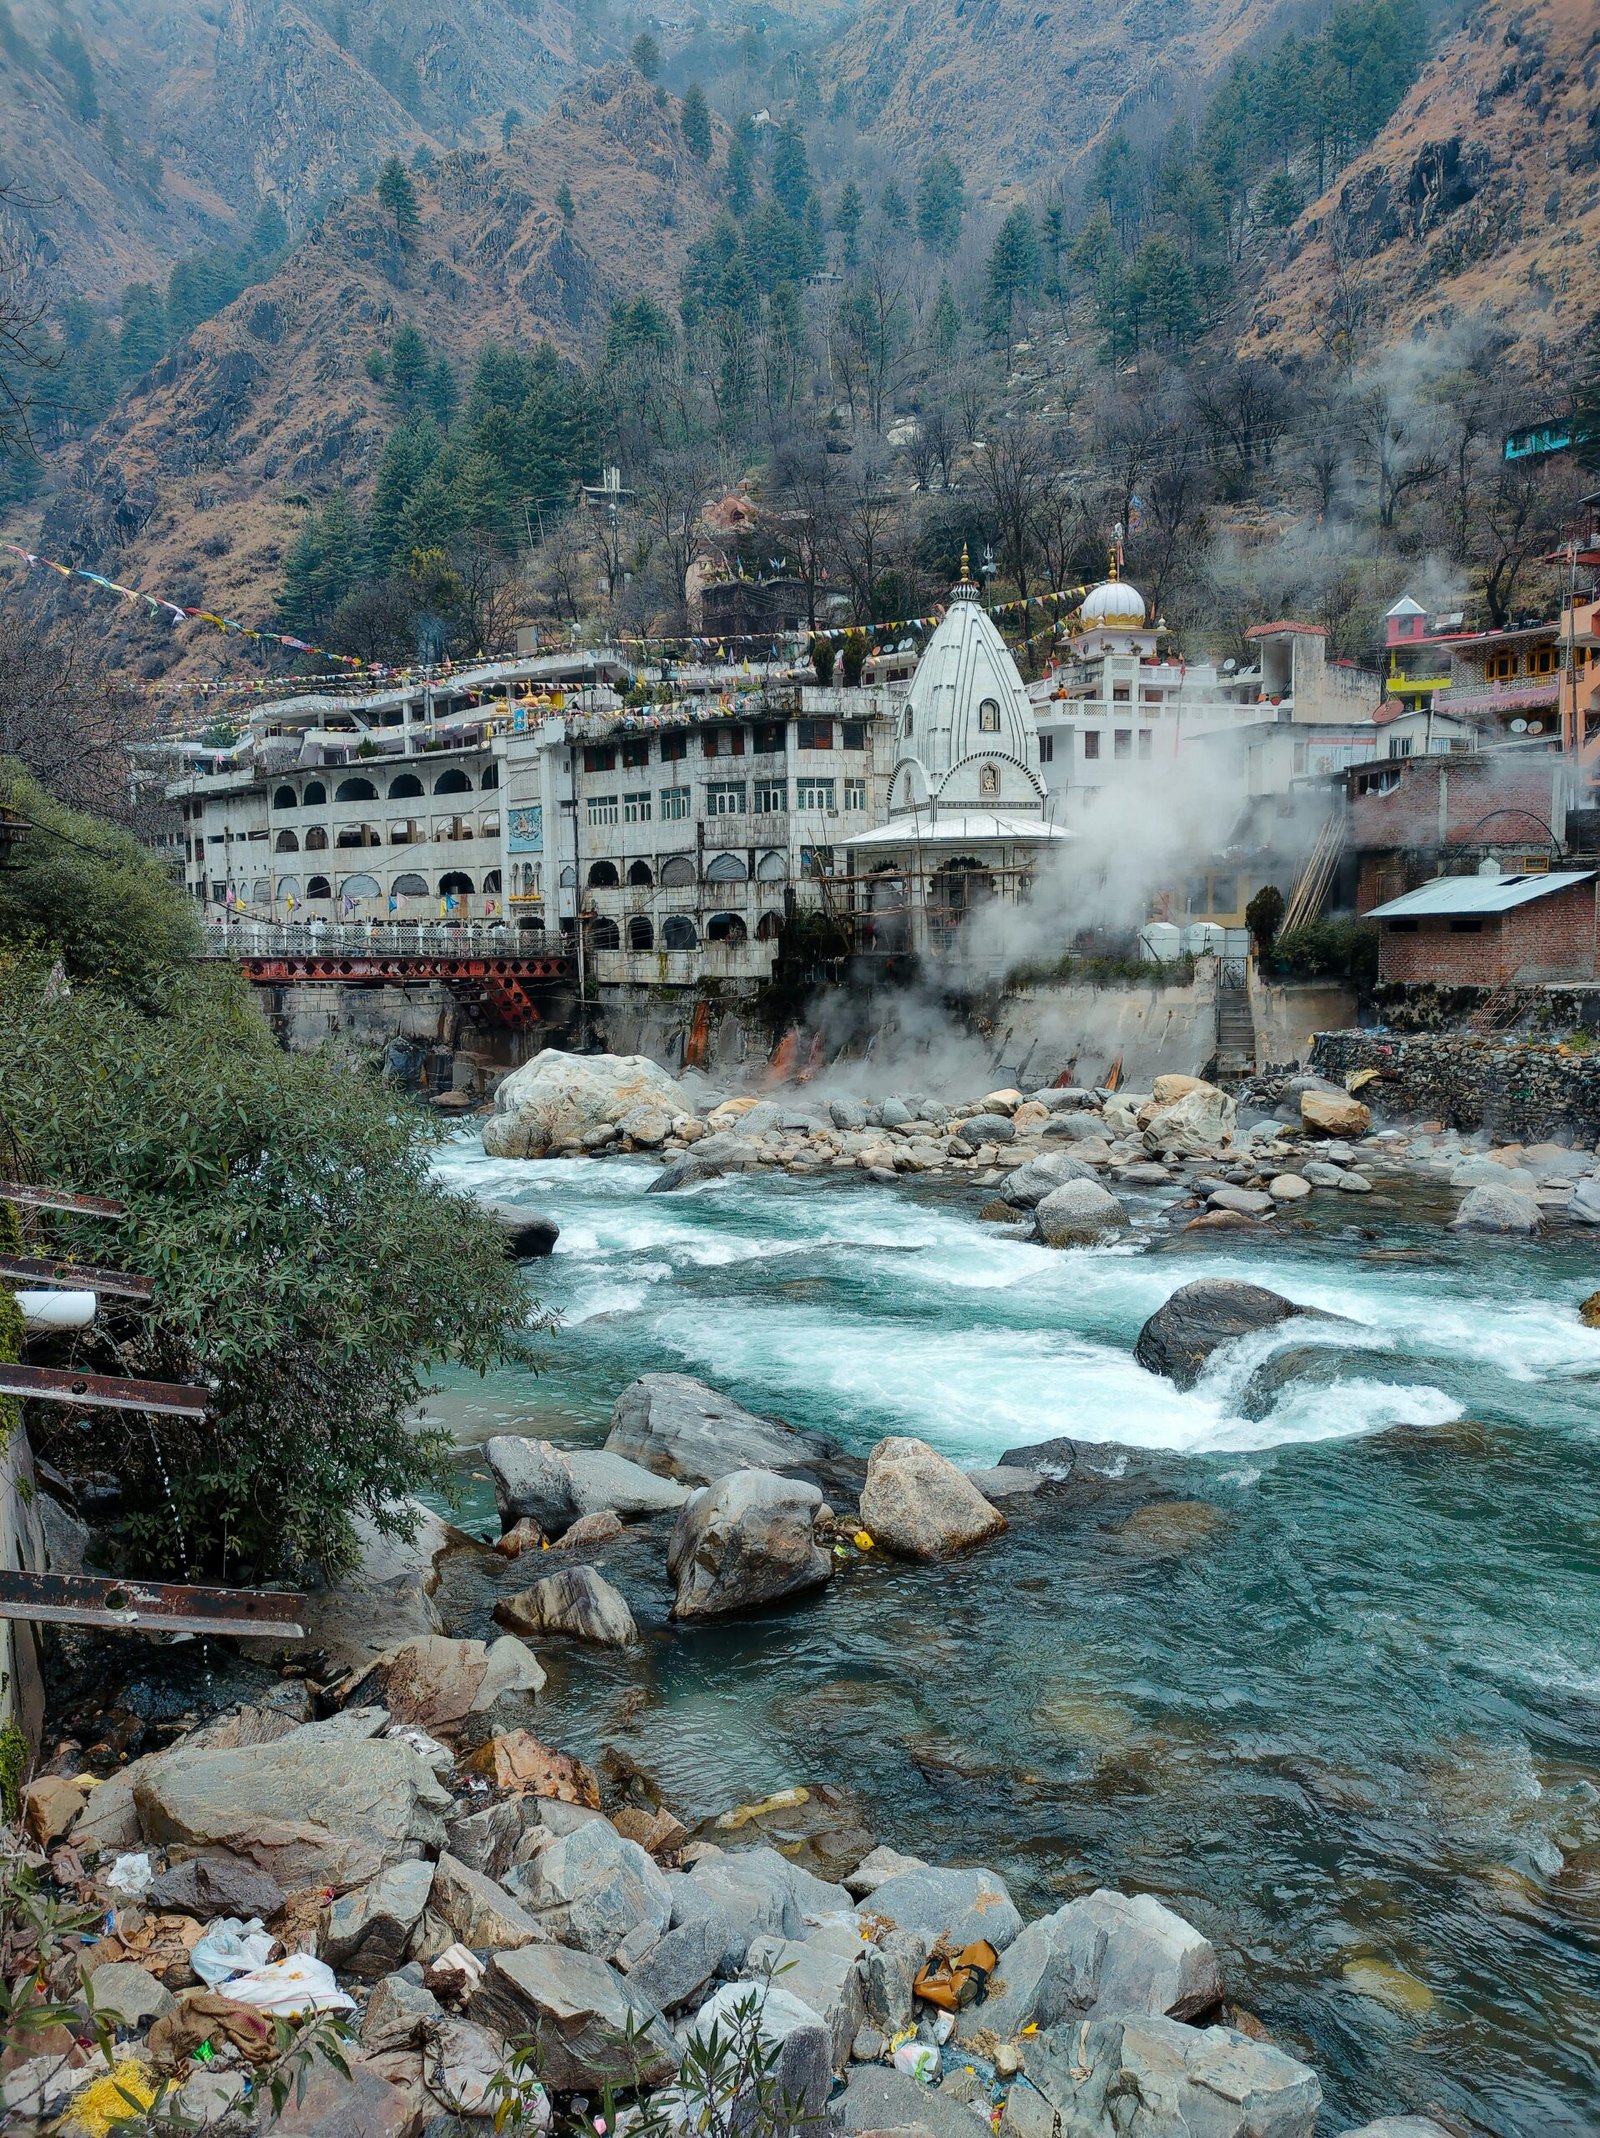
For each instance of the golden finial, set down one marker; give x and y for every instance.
(1113, 572)
(966, 568)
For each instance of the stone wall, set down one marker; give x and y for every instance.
(1519, 1091)
(428, 1039)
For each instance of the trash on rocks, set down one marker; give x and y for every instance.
(439, 1757)
(231, 1948)
(953, 1981)
(130, 1876)
(456, 1972)
(919, 2060)
(202, 2018)
(742, 1814)
(292, 1987)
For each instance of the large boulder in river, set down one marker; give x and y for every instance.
(577, 1601)
(1080, 1213)
(1489, 1209)
(1028, 1186)
(744, 1541)
(1178, 1338)
(1194, 1123)
(1107, 1953)
(678, 1427)
(556, 1486)
(554, 1099)
(1149, 2078)
(1334, 1113)
(528, 1236)
(917, 1504)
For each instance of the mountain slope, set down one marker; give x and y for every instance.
(1480, 196)
(195, 483)
(133, 130)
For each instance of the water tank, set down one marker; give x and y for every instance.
(1160, 943)
(1205, 939)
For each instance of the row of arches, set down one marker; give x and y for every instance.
(454, 883)
(678, 931)
(678, 872)
(404, 785)
(412, 832)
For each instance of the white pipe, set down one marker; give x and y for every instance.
(57, 1310)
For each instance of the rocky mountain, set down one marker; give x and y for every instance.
(196, 483)
(1015, 90)
(133, 131)
(1480, 196)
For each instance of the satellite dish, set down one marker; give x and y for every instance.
(1228, 667)
(1490, 868)
(1519, 727)
(1535, 727)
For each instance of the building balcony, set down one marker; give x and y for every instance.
(1524, 694)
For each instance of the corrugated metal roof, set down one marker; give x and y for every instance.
(1477, 894)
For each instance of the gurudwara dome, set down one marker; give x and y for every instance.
(1115, 604)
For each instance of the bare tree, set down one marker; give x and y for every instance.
(673, 495)
(1016, 463)
(1522, 516)
(1401, 441)
(1245, 408)
(808, 488)
(64, 716)
(866, 536)
(22, 359)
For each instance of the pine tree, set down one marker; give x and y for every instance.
(269, 235)
(646, 55)
(408, 366)
(509, 123)
(441, 394)
(1012, 273)
(738, 182)
(408, 456)
(892, 206)
(565, 203)
(941, 203)
(847, 220)
(398, 196)
(944, 324)
(694, 123)
(791, 170)
(143, 337)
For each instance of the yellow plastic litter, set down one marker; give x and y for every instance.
(785, 1800)
(861, 1541)
(1032, 2027)
(114, 2099)
(905, 2034)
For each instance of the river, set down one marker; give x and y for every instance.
(1325, 1678)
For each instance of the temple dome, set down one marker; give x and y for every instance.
(1114, 604)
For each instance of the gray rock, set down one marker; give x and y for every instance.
(677, 1427)
(127, 1996)
(984, 1128)
(1014, 1483)
(555, 1099)
(486, 1840)
(589, 1888)
(1180, 1337)
(1107, 1954)
(398, 2012)
(1585, 1204)
(1074, 1128)
(895, 1113)
(889, 1970)
(1080, 1213)
(878, 2099)
(1321, 1174)
(369, 1928)
(1400, 2127)
(758, 1892)
(528, 1236)
(804, 2071)
(1497, 1210)
(310, 1814)
(1065, 1098)
(1352, 1183)
(1153, 2078)
(444, 1686)
(1028, 1186)
(874, 1869)
(647, 1127)
(577, 1601)
(1026, 2113)
(205, 1886)
(555, 1486)
(206, 2099)
(1249, 1202)
(479, 1911)
(461, 2063)
(685, 1172)
(744, 1541)
(963, 1905)
(918, 1505)
(847, 1113)
(678, 1966)
(824, 1972)
(575, 2010)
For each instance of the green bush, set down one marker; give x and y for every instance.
(1328, 950)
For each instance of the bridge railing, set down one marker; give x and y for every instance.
(266, 939)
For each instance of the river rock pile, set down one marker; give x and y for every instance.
(410, 1850)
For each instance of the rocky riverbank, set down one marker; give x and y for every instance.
(398, 1840)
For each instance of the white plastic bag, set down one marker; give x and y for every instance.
(231, 1948)
(291, 1987)
(130, 1877)
(919, 2060)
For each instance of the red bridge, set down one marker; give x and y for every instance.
(512, 986)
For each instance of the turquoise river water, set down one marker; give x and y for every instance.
(1327, 1678)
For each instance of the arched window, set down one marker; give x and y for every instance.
(773, 868)
(641, 935)
(769, 927)
(569, 877)
(286, 843)
(316, 840)
(455, 781)
(726, 928)
(605, 935)
(358, 835)
(989, 717)
(261, 892)
(603, 876)
(354, 790)
(726, 868)
(285, 798)
(677, 872)
(639, 875)
(315, 795)
(319, 887)
(491, 882)
(410, 885)
(491, 777)
(360, 887)
(288, 887)
(908, 720)
(679, 933)
(455, 883)
(403, 786)
(530, 879)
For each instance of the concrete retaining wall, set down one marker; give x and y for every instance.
(1518, 1092)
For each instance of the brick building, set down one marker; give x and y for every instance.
(1411, 817)
(1486, 931)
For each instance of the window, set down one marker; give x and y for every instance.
(353, 790)
(1147, 742)
(641, 933)
(605, 935)
(816, 861)
(455, 781)
(855, 734)
(908, 720)
(639, 874)
(602, 809)
(410, 885)
(1224, 893)
(1464, 924)
(1091, 742)
(456, 884)
(1542, 662)
(315, 794)
(1119, 693)
(635, 754)
(491, 778)
(600, 757)
(989, 780)
(286, 843)
(677, 873)
(817, 734)
(603, 876)
(679, 933)
(316, 840)
(726, 928)
(674, 804)
(284, 798)
(855, 794)
(989, 716)
(1403, 927)
(726, 868)
(813, 793)
(1047, 749)
(674, 748)
(768, 737)
(725, 798)
(1122, 743)
(404, 786)
(772, 796)
(636, 807)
